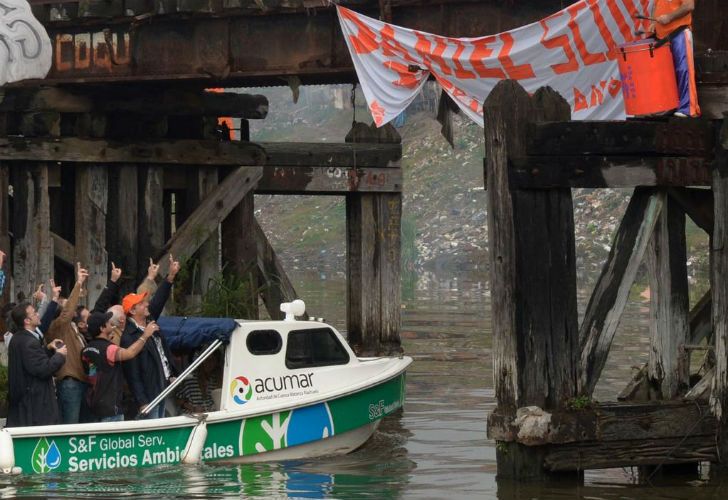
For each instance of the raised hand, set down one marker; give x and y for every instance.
(81, 274)
(152, 270)
(2, 258)
(115, 273)
(174, 268)
(39, 295)
(55, 291)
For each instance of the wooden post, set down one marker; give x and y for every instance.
(668, 366)
(33, 245)
(91, 207)
(373, 241)
(719, 287)
(239, 251)
(151, 216)
(209, 253)
(533, 273)
(123, 216)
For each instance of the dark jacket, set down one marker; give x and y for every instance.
(145, 373)
(109, 296)
(31, 393)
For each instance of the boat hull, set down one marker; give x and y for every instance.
(335, 426)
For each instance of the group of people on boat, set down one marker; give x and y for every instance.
(70, 364)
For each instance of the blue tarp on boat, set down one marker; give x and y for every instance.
(187, 334)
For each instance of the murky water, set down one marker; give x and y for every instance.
(435, 449)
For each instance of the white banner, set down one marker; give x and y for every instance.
(571, 51)
(25, 49)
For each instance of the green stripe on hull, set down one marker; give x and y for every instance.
(275, 431)
(87, 452)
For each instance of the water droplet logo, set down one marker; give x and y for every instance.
(46, 457)
(241, 390)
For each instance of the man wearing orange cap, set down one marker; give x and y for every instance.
(153, 369)
(673, 19)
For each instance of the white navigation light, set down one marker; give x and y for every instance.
(293, 309)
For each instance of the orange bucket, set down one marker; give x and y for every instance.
(648, 78)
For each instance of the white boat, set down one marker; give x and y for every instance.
(290, 390)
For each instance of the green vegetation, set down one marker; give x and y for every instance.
(580, 403)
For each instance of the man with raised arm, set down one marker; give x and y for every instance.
(153, 370)
(31, 365)
(71, 382)
(103, 360)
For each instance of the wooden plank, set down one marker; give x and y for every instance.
(209, 253)
(701, 319)
(277, 286)
(139, 100)
(186, 152)
(320, 154)
(122, 236)
(91, 207)
(612, 422)
(238, 245)
(64, 250)
(329, 180)
(216, 206)
(697, 203)
(615, 454)
(543, 172)
(150, 229)
(611, 291)
(669, 364)
(713, 100)
(32, 246)
(702, 389)
(671, 138)
(719, 288)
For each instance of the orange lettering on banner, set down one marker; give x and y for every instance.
(482, 51)
(365, 40)
(424, 48)
(579, 101)
(458, 94)
(561, 41)
(460, 71)
(603, 29)
(390, 45)
(597, 97)
(377, 112)
(586, 56)
(520, 72)
(624, 28)
(407, 79)
(615, 87)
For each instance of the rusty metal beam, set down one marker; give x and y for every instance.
(250, 50)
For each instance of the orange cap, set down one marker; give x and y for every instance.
(131, 300)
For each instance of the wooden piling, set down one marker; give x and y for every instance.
(533, 273)
(668, 366)
(719, 287)
(91, 207)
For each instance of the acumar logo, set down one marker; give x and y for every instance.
(284, 383)
(241, 390)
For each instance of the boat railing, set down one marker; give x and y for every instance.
(197, 362)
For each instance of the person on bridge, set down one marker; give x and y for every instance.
(673, 19)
